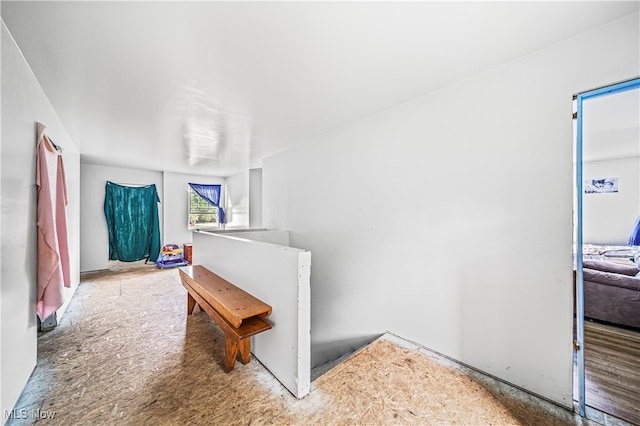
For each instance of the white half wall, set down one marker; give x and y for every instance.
(272, 236)
(94, 238)
(279, 276)
(175, 210)
(237, 201)
(23, 103)
(448, 219)
(609, 218)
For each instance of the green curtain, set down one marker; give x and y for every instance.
(132, 221)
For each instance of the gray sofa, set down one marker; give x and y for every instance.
(612, 292)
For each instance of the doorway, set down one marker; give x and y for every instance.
(607, 204)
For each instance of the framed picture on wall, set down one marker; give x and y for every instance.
(599, 186)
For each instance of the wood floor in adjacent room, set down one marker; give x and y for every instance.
(126, 353)
(612, 370)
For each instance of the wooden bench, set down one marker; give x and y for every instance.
(239, 314)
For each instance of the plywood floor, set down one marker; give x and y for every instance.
(126, 353)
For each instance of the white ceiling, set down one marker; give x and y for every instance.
(213, 87)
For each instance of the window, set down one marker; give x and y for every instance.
(202, 214)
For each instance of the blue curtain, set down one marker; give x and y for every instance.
(132, 221)
(211, 193)
(634, 238)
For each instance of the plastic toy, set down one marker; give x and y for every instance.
(170, 257)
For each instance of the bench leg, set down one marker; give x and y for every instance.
(191, 303)
(231, 353)
(245, 350)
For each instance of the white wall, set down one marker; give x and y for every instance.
(237, 201)
(448, 219)
(172, 210)
(609, 218)
(271, 236)
(176, 197)
(255, 198)
(611, 148)
(94, 238)
(24, 103)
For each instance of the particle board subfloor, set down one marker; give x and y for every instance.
(125, 353)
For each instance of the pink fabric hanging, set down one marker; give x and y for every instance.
(53, 246)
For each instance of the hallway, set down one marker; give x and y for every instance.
(125, 353)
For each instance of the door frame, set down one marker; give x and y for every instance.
(579, 343)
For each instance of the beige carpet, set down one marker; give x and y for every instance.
(126, 353)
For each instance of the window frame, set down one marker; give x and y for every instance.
(201, 226)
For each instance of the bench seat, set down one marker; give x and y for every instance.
(238, 314)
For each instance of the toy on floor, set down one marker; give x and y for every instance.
(170, 257)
